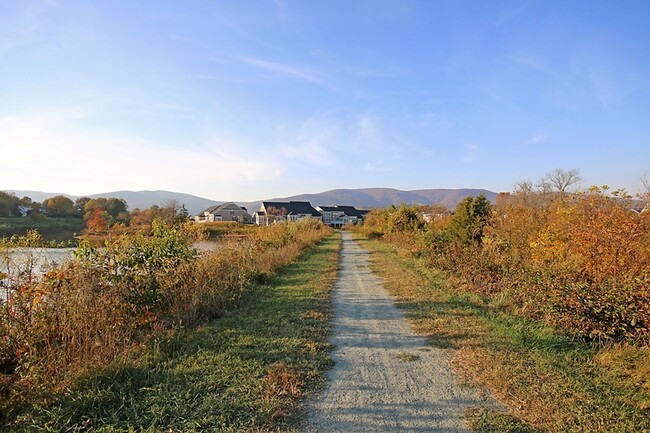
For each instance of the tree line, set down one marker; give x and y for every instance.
(100, 214)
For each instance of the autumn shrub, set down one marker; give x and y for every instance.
(95, 308)
(580, 262)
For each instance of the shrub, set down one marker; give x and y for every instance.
(96, 307)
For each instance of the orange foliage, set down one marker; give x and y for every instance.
(580, 262)
(97, 223)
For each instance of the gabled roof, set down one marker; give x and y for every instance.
(291, 208)
(347, 210)
(220, 207)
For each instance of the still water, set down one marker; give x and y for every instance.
(40, 260)
(19, 261)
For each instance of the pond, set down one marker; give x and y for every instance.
(18, 261)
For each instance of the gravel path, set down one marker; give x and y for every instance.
(385, 378)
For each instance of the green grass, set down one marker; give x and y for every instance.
(548, 381)
(51, 229)
(247, 371)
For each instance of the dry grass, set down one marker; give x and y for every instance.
(548, 381)
(106, 303)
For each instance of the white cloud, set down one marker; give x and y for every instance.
(604, 89)
(43, 152)
(539, 138)
(283, 70)
(375, 168)
(317, 137)
(472, 153)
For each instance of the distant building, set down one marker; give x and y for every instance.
(338, 216)
(224, 212)
(272, 212)
(431, 217)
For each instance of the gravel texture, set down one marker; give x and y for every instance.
(385, 378)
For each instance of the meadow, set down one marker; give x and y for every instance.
(544, 298)
(114, 304)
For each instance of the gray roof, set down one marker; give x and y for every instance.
(347, 210)
(292, 207)
(224, 206)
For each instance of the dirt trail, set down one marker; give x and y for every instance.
(385, 379)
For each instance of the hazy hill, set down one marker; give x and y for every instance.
(38, 196)
(365, 198)
(146, 199)
(368, 198)
(135, 199)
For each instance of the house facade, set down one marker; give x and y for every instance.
(338, 216)
(272, 212)
(229, 212)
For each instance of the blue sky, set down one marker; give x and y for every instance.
(245, 100)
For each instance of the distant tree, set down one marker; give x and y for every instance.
(58, 206)
(183, 215)
(9, 204)
(645, 187)
(469, 220)
(116, 206)
(435, 209)
(171, 213)
(274, 214)
(524, 187)
(405, 218)
(80, 204)
(561, 180)
(98, 221)
(115, 209)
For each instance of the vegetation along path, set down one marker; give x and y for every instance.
(385, 377)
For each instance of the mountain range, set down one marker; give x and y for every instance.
(364, 198)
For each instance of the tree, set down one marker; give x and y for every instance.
(115, 209)
(562, 180)
(80, 204)
(405, 218)
(9, 205)
(58, 206)
(116, 206)
(524, 187)
(469, 220)
(170, 214)
(182, 215)
(645, 184)
(97, 223)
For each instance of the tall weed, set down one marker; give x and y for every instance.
(107, 301)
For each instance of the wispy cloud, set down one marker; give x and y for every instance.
(537, 139)
(281, 11)
(376, 168)
(283, 70)
(317, 137)
(472, 153)
(605, 90)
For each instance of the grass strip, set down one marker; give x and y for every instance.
(53, 229)
(245, 372)
(548, 381)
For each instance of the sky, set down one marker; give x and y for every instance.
(247, 100)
